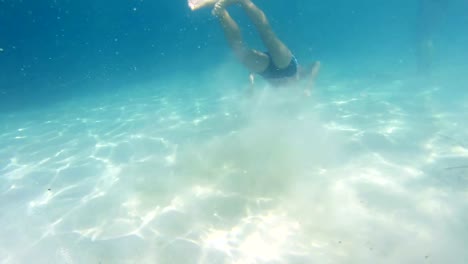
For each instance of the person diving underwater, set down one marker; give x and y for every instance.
(277, 65)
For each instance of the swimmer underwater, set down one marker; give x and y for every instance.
(277, 65)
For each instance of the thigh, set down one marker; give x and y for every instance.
(256, 61)
(279, 52)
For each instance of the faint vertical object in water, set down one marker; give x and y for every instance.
(431, 14)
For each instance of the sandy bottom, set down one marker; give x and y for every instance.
(361, 172)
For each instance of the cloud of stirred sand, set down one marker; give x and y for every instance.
(334, 193)
(204, 173)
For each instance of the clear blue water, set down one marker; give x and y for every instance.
(127, 135)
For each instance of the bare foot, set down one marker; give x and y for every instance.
(221, 6)
(218, 9)
(197, 4)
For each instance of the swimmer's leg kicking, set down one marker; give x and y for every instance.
(254, 60)
(278, 65)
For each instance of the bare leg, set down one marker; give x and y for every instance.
(310, 77)
(280, 54)
(254, 60)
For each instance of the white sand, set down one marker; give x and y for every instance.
(363, 173)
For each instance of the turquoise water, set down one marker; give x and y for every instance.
(127, 135)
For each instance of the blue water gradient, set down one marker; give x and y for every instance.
(128, 135)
